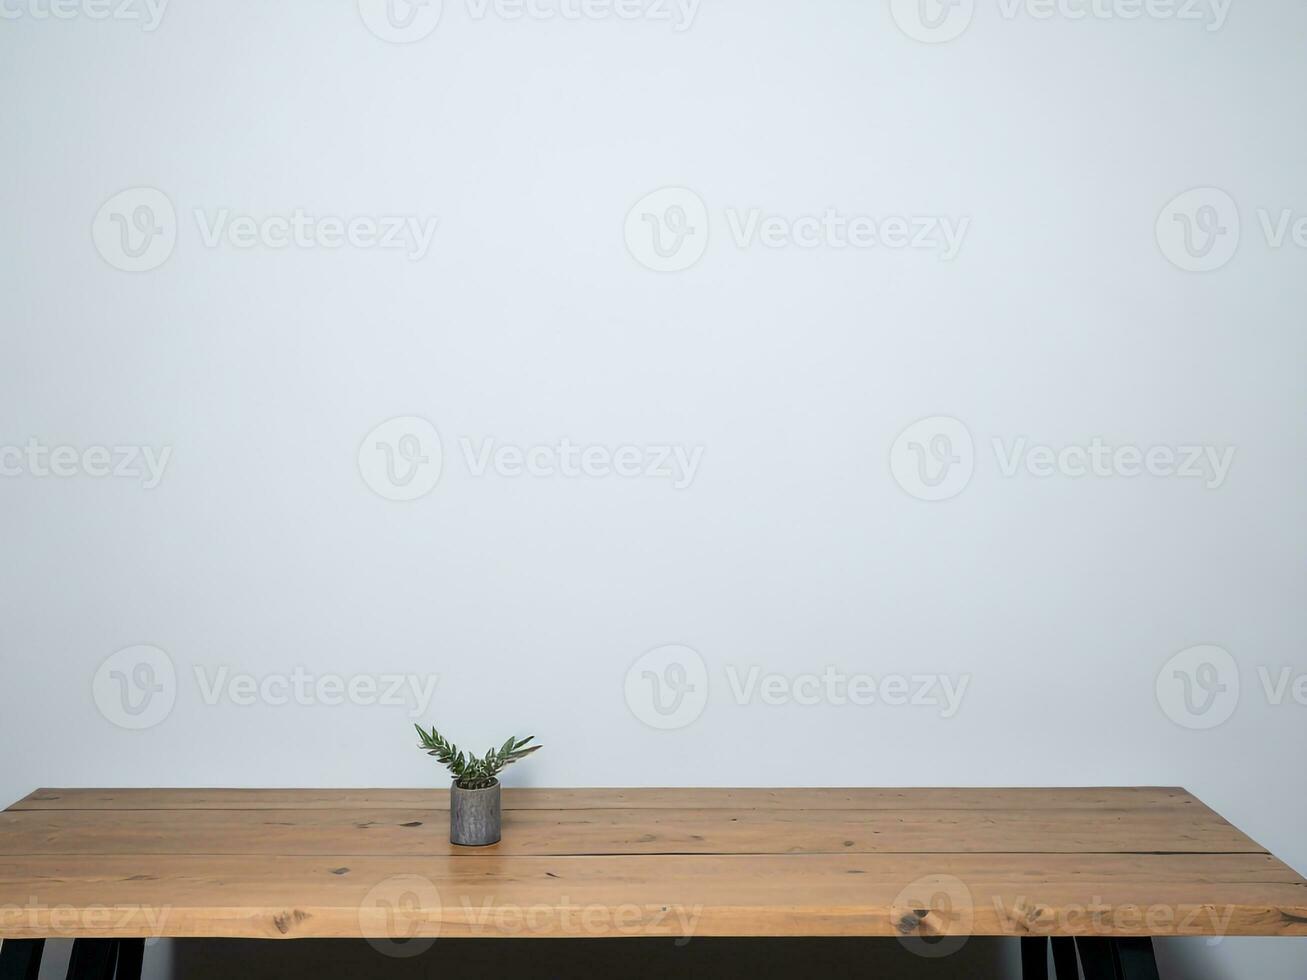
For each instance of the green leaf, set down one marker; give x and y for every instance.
(471, 771)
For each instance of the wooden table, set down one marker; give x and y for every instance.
(1109, 868)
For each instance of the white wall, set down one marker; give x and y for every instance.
(1063, 318)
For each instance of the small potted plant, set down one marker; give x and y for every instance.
(474, 805)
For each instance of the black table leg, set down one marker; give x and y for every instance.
(131, 953)
(1065, 964)
(1098, 958)
(93, 959)
(1034, 958)
(1135, 959)
(20, 959)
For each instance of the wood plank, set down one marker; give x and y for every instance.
(672, 798)
(712, 895)
(418, 832)
(832, 862)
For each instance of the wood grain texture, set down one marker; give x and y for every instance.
(624, 831)
(573, 863)
(575, 799)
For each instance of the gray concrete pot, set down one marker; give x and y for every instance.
(474, 816)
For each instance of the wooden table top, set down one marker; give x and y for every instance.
(916, 863)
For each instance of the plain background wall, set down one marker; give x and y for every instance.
(529, 320)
